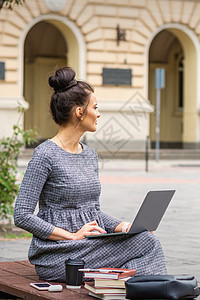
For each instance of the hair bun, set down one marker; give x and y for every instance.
(62, 78)
(53, 82)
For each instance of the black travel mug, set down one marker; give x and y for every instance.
(74, 277)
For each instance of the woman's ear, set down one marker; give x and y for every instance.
(79, 112)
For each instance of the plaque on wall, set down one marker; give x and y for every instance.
(113, 76)
(2, 70)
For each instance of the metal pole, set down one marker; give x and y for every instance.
(147, 154)
(157, 123)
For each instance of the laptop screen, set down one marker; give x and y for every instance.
(151, 211)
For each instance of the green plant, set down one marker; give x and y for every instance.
(10, 148)
(10, 3)
(15, 236)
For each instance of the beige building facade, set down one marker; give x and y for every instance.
(116, 46)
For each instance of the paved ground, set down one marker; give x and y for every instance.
(124, 185)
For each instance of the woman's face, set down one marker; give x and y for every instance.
(89, 121)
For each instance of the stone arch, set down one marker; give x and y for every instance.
(63, 23)
(191, 49)
(75, 58)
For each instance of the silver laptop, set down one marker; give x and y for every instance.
(149, 215)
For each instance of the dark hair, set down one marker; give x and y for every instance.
(68, 93)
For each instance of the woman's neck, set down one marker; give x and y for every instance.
(68, 138)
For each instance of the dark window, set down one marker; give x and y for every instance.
(2, 71)
(180, 82)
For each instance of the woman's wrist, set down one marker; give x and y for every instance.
(60, 234)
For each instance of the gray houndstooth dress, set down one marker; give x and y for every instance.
(67, 187)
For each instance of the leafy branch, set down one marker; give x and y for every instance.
(10, 148)
(10, 3)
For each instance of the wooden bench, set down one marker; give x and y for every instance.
(15, 279)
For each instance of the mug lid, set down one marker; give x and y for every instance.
(71, 261)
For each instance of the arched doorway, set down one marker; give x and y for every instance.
(167, 52)
(175, 49)
(45, 49)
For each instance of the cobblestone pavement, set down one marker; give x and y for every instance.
(124, 185)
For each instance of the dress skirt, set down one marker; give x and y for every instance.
(142, 252)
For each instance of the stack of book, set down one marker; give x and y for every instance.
(108, 283)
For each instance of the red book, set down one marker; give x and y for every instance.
(110, 273)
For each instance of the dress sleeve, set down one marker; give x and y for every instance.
(109, 222)
(38, 170)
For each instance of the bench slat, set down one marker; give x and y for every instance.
(15, 279)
